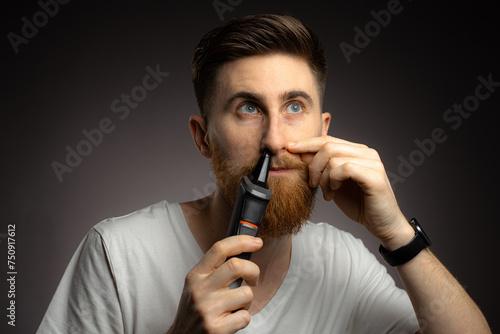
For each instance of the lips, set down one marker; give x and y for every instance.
(275, 170)
(284, 165)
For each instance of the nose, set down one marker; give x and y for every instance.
(274, 137)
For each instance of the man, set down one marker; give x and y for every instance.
(259, 81)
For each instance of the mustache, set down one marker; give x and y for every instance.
(282, 162)
(287, 162)
(238, 171)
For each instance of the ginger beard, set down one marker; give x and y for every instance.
(292, 199)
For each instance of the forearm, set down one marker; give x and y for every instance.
(440, 302)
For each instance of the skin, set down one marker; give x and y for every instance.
(254, 110)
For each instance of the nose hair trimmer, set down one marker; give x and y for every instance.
(250, 205)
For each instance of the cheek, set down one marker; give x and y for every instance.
(236, 145)
(308, 130)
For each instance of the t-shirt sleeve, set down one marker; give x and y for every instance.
(381, 307)
(86, 300)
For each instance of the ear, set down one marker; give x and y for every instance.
(198, 128)
(325, 123)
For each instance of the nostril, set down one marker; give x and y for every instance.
(273, 150)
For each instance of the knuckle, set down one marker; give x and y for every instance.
(246, 293)
(218, 248)
(348, 166)
(234, 264)
(373, 152)
(332, 163)
(245, 317)
(380, 165)
(330, 147)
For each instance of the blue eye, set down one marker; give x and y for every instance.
(247, 109)
(294, 108)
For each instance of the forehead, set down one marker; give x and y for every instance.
(266, 75)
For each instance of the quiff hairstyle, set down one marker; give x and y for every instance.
(253, 35)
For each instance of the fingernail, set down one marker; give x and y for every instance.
(257, 240)
(291, 144)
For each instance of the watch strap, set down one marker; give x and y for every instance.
(408, 251)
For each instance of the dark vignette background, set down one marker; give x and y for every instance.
(394, 91)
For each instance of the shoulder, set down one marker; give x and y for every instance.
(147, 225)
(142, 240)
(148, 221)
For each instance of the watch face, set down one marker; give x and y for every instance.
(420, 231)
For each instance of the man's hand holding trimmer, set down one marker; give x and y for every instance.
(207, 303)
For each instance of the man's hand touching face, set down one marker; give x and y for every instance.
(353, 176)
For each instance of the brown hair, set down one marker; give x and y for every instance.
(249, 36)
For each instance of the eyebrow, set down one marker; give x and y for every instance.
(289, 95)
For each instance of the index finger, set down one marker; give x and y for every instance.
(222, 249)
(314, 144)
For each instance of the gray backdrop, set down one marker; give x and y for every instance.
(391, 92)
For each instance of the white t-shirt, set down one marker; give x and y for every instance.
(128, 273)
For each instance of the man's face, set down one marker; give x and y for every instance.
(266, 102)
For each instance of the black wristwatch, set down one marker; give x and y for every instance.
(408, 251)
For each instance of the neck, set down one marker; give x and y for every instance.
(209, 221)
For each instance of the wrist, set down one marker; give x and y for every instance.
(402, 234)
(403, 254)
